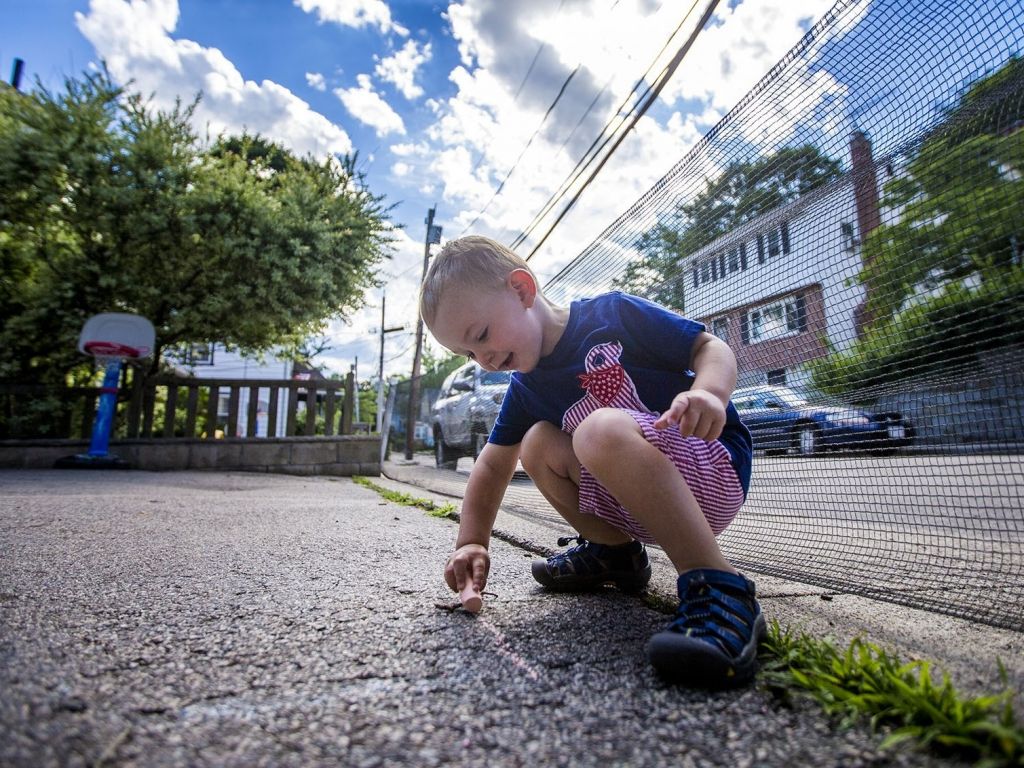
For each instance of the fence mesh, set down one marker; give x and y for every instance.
(854, 228)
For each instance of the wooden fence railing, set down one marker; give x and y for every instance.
(175, 407)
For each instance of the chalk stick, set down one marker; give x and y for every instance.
(471, 599)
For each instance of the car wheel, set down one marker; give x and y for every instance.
(806, 440)
(445, 456)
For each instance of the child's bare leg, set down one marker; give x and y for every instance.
(611, 446)
(548, 458)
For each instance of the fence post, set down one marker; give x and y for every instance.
(348, 408)
(134, 403)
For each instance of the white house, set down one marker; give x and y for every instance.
(782, 289)
(215, 361)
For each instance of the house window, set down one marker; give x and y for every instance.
(721, 264)
(737, 258)
(705, 272)
(773, 242)
(199, 354)
(720, 328)
(846, 231)
(777, 320)
(777, 378)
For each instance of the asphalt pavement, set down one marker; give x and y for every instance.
(229, 619)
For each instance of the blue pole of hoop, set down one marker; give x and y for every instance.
(104, 420)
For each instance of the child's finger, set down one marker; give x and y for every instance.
(673, 415)
(480, 569)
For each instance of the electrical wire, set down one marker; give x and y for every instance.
(536, 131)
(501, 186)
(645, 101)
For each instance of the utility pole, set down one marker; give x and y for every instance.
(355, 379)
(380, 368)
(16, 70)
(433, 236)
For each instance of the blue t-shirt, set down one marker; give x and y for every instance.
(620, 351)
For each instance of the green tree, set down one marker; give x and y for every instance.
(109, 205)
(744, 191)
(960, 200)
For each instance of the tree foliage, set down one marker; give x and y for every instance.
(109, 205)
(960, 200)
(945, 282)
(743, 192)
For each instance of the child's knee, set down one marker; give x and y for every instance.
(600, 433)
(537, 445)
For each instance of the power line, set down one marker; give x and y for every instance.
(501, 186)
(515, 100)
(607, 133)
(637, 112)
(536, 131)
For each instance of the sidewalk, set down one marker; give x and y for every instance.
(967, 650)
(202, 618)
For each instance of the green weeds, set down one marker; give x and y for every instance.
(867, 681)
(433, 509)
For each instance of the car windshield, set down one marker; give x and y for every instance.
(785, 396)
(495, 377)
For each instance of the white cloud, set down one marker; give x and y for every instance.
(400, 69)
(136, 42)
(354, 13)
(367, 106)
(316, 80)
(729, 58)
(480, 131)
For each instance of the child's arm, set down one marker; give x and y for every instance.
(491, 475)
(700, 411)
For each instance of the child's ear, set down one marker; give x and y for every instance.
(522, 282)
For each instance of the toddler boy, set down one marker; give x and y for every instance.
(619, 411)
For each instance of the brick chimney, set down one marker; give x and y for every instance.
(869, 213)
(865, 184)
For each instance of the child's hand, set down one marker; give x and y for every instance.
(469, 564)
(698, 413)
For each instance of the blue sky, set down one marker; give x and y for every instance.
(438, 98)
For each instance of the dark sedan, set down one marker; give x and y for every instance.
(780, 421)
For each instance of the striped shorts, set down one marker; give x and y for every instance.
(706, 468)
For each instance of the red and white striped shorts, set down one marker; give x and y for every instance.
(706, 468)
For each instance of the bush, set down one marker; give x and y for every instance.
(948, 330)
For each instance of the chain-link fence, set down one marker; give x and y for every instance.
(854, 229)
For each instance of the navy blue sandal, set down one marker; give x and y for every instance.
(713, 640)
(588, 566)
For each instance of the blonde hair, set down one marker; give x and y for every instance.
(471, 262)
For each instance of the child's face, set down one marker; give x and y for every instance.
(499, 329)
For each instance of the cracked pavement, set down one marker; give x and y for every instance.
(239, 619)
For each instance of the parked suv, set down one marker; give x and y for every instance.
(464, 412)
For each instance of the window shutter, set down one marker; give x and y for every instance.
(801, 313)
(745, 327)
(785, 237)
(696, 277)
(743, 255)
(760, 249)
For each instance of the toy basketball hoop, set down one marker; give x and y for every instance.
(112, 338)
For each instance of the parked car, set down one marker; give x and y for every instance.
(780, 421)
(464, 412)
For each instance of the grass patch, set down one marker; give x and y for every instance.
(433, 509)
(867, 681)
